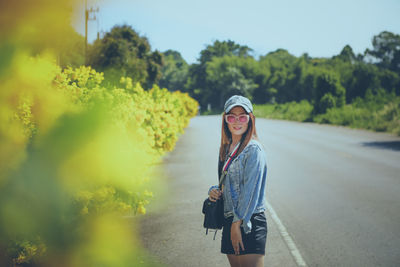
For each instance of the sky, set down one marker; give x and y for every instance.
(320, 28)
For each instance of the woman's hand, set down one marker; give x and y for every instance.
(236, 237)
(215, 194)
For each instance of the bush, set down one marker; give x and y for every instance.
(77, 157)
(326, 102)
(300, 111)
(366, 114)
(379, 112)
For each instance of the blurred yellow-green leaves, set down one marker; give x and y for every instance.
(75, 157)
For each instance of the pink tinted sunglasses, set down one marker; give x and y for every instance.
(230, 118)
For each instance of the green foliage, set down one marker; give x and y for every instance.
(364, 77)
(346, 55)
(174, 71)
(326, 102)
(72, 173)
(225, 68)
(224, 48)
(122, 52)
(275, 72)
(215, 60)
(294, 111)
(72, 51)
(23, 251)
(386, 51)
(366, 114)
(377, 112)
(330, 93)
(228, 74)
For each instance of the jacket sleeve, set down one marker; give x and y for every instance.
(255, 173)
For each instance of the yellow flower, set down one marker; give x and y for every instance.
(141, 209)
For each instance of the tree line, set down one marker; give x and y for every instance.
(225, 68)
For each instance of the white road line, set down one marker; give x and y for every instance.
(285, 235)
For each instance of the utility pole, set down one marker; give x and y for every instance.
(86, 21)
(87, 18)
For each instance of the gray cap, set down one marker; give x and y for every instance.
(238, 100)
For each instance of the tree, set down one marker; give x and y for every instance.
(326, 102)
(386, 51)
(364, 77)
(278, 67)
(226, 77)
(203, 88)
(224, 48)
(329, 92)
(122, 52)
(346, 55)
(174, 71)
(154, 65)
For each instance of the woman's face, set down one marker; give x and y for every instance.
(238, 128)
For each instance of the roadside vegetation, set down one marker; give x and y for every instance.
(78, 147)
(379, 113)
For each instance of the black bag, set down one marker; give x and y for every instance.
(214, 211)
(213, 214)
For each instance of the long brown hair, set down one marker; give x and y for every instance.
(226, 136)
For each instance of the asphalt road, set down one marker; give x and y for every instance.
(336, 191)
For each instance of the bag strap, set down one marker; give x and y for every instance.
(227, 164)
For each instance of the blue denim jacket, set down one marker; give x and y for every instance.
(244, 185)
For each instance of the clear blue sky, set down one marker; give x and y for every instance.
(320, 28)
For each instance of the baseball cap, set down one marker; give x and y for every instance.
(238, 100)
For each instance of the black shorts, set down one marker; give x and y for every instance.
(253, 242)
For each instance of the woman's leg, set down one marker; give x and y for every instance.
(248, 260)
(234, 260)
(251, 260)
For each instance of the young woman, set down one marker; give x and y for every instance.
(245, 227)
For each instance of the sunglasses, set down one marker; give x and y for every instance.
(233, 118)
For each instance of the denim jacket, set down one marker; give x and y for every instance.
(244, 185)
